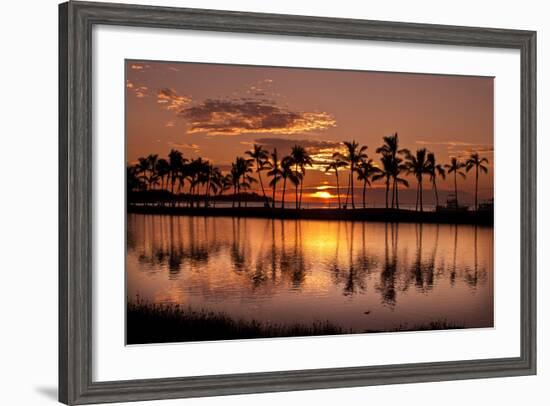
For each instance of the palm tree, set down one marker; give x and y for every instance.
(288, 173)
(365, 171)
(152, 166)
(133, 181)
(259, 155)
(353, 155)
(417, 165)
(386, 173)
(162, 168)
(300, 159)
(275, 173)
(391, 148)
(227, 182)
(175, 162)
(435, 170)
(475, 161)
(455, 167)
(142, 169)
(234, 177)
(337, 162)
(215, 182)
(240, 171)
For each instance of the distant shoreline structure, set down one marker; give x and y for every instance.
(370, 214)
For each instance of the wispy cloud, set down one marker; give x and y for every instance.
(460, 149)
(138, 90)
(139, 66)
(188, 146)
(238, 116)
(171, 100)
(320, 151)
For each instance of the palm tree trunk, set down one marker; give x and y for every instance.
(387, 190)
(296, 167)
(393, 194)
(273, 196)
(347, 194)
(477, 175)
(456, 193)
(436, 195)
(351, 183)
(262, 184)
(420, 187)
(302, 189)
(364, 191)
(416, 204)
(338, 188)
(283, 197)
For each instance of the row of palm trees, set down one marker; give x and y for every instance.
(205, 180)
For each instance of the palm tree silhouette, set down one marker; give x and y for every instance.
(152, 167)
(365, 171)
(162, 168)
(301, 159)
(175, 162)
(417, 165)
(287, 173)
(243, 167)
(435, 170)
(455, 167)
(353, 155)
(259, 155)
(475, 161)
(386, 173)
(275, 173)
(391, 148)
(338, 162)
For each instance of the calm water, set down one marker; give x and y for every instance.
(365, 276)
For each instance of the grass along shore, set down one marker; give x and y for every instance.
(149, 323)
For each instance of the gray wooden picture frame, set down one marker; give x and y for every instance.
(76, 20)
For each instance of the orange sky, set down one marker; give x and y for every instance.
(218, 111)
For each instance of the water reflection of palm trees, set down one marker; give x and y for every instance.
(476, 274)
(386, 285)
(177, 246)
(352, 275)
(423, 269)
(269, 256)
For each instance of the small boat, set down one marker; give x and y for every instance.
(452, 205)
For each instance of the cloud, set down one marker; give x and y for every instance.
(173, 69)
(141, 91)
(170, 124)
(171, 100)
(139, 66)
(244, 116)
(461, 149)
(194, 147)
(138, 91)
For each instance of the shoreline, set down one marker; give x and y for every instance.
(149, 323)
(369, 214)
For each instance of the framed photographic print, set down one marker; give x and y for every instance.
(257, 202)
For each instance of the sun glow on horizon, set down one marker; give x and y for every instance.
(322, 195)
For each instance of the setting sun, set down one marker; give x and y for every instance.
(322, 195)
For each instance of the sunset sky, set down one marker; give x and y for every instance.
(218, 112)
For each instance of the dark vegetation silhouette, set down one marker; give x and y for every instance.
(196, 183)
(149, 323)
